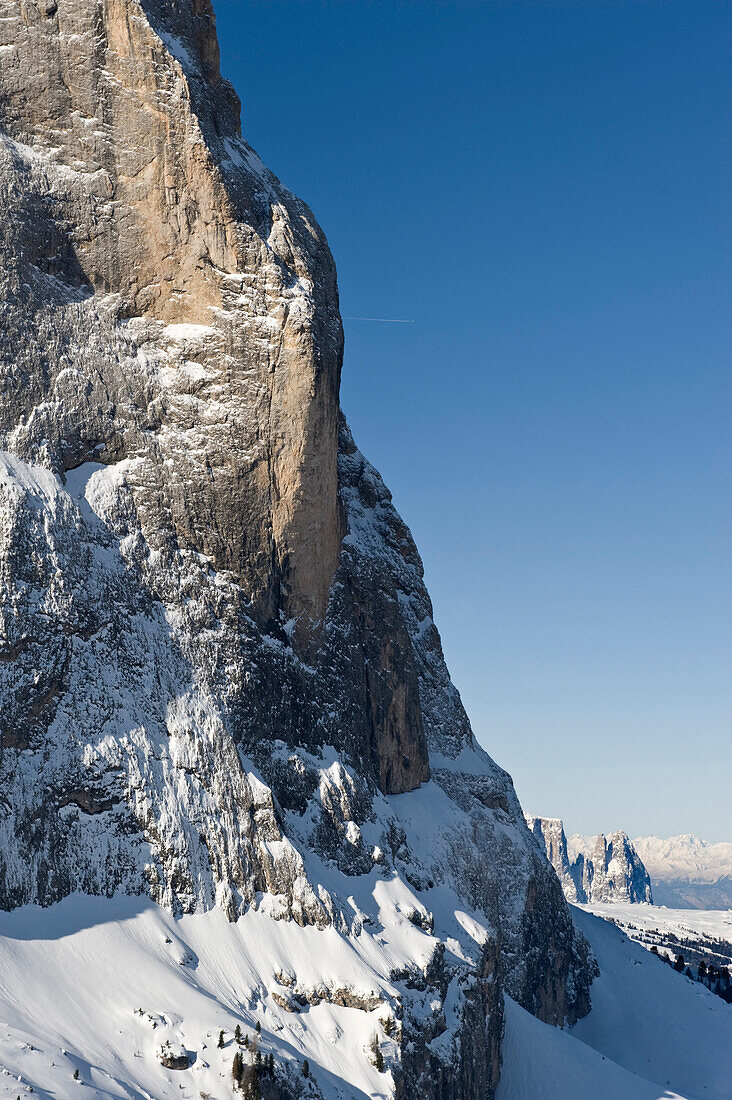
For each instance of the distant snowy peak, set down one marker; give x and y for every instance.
(593, 869)
(686, 857)
(687, 871)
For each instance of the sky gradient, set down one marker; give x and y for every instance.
(541, 189)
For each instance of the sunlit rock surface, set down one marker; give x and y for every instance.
(220, 680)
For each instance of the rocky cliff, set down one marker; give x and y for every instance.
(596, 869)
(550, 836)
(612, 870)
(220, 680)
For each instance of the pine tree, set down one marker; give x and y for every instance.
(679, 964)
(237, 1069)
(259, 1028)
(237, 1033)
(305, 1068)
(221, 1040)
(76, 1074)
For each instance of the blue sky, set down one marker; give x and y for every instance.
(539, 187)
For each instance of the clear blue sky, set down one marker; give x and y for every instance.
(541, 188)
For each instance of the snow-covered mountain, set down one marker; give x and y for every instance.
(221, 686)
(238, 787)
(688, 872)
(592, 869)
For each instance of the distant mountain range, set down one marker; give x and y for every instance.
(687, 872)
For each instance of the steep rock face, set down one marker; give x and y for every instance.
(139, 202)
(549, 832)
(613, 871)
(220, 680)
(599, 869)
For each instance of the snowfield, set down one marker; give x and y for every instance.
(542, 1063)
(74, 977)
(101, 985)
(654, 1022)
(651, 1034)
(707, 923)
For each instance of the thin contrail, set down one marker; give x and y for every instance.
(384, 320)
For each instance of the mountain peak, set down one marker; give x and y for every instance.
(218, 661)
(593, 869)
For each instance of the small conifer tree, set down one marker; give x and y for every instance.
(76, 1074)
(237, 1069)
(221, 1040)
(237, 1033)
(306, 1068)
(259, 1028)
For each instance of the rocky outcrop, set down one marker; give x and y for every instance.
(549, 833)
(173, 1057)
(138, 222)
(220, 679)
(613, 871)
(434, 1065)
(608, 869)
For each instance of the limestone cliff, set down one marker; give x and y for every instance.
(220, 680)
(597, 869)
(612, 870)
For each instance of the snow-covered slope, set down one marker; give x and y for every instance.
(651, 1035)
(104, 986)
(710, 923)
(689, 937)
(688, 872)
(542, 1063)
(654, 1022)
